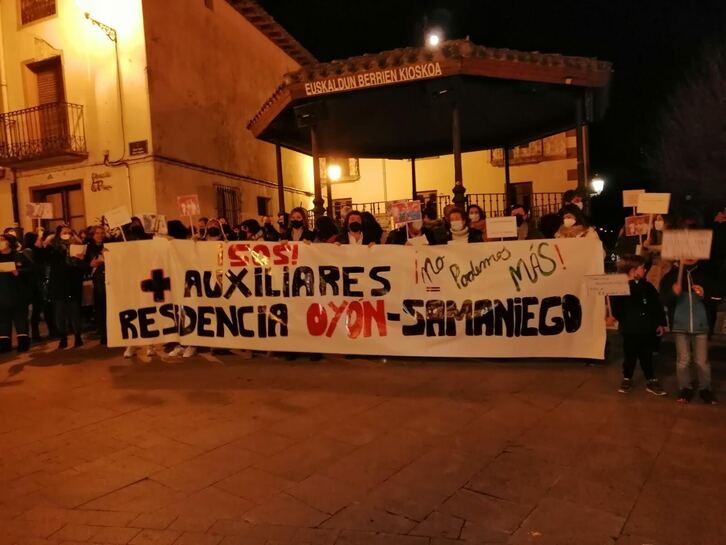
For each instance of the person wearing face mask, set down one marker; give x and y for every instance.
(574, 197)
(459, 230)
(525, 231)
(574, 224)
(14, 295)
(298, 230)
(65, 286)
(213, 232)
(353, 232)
(96, 265)
(641, 320)
(11, 234)
(477, 218)
(412, 234)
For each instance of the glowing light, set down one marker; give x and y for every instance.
(334, 172)
(597, 184)
(434, 38)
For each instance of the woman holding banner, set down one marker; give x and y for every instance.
(574, 224)
(458, 229)
(299, 230)
(353, 232)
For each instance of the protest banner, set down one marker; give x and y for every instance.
(681, 244)
(631, 196)
(607, 284)
(492, 299)
(405, 211)
(39, 210)
(654, 203)
(501, 227)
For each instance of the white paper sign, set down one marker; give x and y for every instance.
(153, 223)
(77, 250)
(501, 227)
(631, 196)
(654, 203)
(39, 210)
(687, 244)
(118, 217)
(7, 266)
(607, 284)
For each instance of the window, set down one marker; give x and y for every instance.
(209, 4)
(67, 204)
(228, 202)
(263, 206)
(32, 10)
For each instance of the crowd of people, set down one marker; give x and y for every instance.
(59, 277)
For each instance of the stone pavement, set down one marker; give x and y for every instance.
(98, 449)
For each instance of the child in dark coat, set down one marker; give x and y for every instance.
(641, 318)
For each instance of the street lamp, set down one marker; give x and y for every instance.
(597, 185)
(334, 172)
(434, 37)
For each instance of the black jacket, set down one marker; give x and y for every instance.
(399, 236)
(15, 289)
(66, 273)
(640, 312)
(344, 238)
(98, 275)
(306, 235)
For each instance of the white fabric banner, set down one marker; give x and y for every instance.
(495, 299)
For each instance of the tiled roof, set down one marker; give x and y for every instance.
(513, 65)
(264, 22)
(453, 49)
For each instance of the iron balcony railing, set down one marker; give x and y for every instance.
(42, 132)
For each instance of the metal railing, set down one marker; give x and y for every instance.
(44, 131)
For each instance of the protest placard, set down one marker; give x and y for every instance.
(7, 266)
(118, 217)
(153, 223)
(607, 284)
(654, 203)
(77, 250)
(687, 244)
(39, 210)
(637, 226)
(189, 205)
(501, 227)
(405, 211)
(631, 196)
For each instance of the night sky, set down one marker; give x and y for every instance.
(653, 45)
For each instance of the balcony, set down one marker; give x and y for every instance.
(42, 135)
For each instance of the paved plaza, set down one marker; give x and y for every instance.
(217, 449)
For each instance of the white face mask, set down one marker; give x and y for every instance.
(457, 225)
(580, 205)
(474, 217)
(568, 222)
(417, 225)
(658, 224)
(65, 236)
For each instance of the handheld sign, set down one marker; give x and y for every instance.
(681, 244)
(502, 227)
(77, 250)
(7, 266)
(631, 196)
(118, 217)
(405, 211)
(39, 210)
(607, 284)
(654, 203)
(637, 226)
(189, 205)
